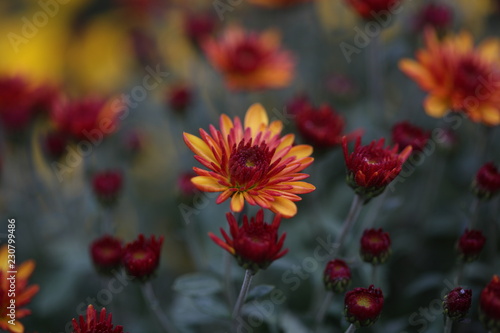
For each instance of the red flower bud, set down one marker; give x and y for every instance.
(142, 257)
(337, 276)
(489, 305)
(375, 246)
(470, 245)
(106, 253)
(256, 244)
(370, 9)
(107, 186)
(363, 306)
(405, 134)
(457, 303)
(179, 97)
(95, 323)
(487, 181)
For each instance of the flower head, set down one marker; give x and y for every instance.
(322, 127)
(375, 246)
(470, 245)
(252, 163)
(457, 303)
(179, 97)
(371, 168)
(250, 60)
(107, 185)
(106, 253)
(337, 276)
(185, 186)
(87, 119)
(405, 134)
(489, 305)
(23, 293)
(458, 76)
(142, 257)
(363, 306)
(487, 181)
(371, 9)
(254, 244)
(94, 323)
(199, 26)
(54, 144)
(437, 16)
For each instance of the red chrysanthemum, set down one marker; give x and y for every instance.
(250, 61)
(94, 323)
(457, 303)
(256, 244)
(363, 306)
(89, 118)
(107, 185)
(55, 143)
(371, 168)
(199, 26)
(23, 292)
(277, 3)
(321, 127)
(368, 9)
(489, 305)
(375, 246)
(405, 134)
(487, 181)
(437, 16)
(252, 163)
(106, 253)
(337, 276)
(470, 245)
(142, 257)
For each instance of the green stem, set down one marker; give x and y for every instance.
(356, 205)
(247, 281)
(324, 307)
(460, 273)
(473, 212)
(351, 329)
(448, 325)
(374, 274)
(154, 304)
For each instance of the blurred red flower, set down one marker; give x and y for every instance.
(106, 253)
(457, 303)
(94, 323)
(142, 256)
(368, 9)
(375, 246)
(405, 134)
(470, 245)
(337, 276)
(107, 185)
(489, 305)
(486, 184)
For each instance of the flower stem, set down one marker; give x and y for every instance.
(351, 329)
(149, 296)
(374, 274)
(460, 273)
(241, 298)
(356, 205)
(324, 307)
(375, 77)
(448, 325)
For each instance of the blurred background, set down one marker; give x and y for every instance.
(106, 48)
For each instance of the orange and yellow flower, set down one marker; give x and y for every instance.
(251, 162)
(250, 60)
(23, 292)
(458, 76)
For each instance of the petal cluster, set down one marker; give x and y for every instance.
(489, 305)
(251, 162)
(95, 323)
(255, 244)
(23, 292)
(106, 253)
(486, 184)
(250, 60)
(362, 306)
(142, 256)
(458, 76)
(371, 168)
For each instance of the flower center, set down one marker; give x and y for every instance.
(364, 301)
(139, 255)
(249, 164)
(246, 57)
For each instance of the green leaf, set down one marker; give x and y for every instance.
(259, 292)
(197, 284)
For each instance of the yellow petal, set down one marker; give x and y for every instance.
(300, 151)
(256, 118)
(301, 187)
(435, 106)
(225, 125)
(276, 127)
(284, 207)
(199, 147)
(489, 49)
(17, 328)
(24, 271)
(237, 202)
(489, 115)
(286, 141)
(208, 184)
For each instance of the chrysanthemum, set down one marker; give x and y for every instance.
(250, 60)
(251, 162)
(141, 257)
(368, 8)
(277, 3)
(458, 77)
(362, 306)
(23, 292)
(94, 323)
